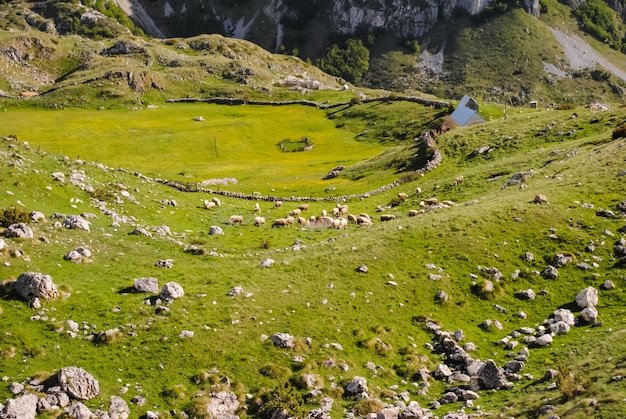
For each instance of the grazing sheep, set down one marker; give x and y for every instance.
(413, 213)
(343, 209)
(296, 212)
(257, 207)
(336, 212)
(418, 190)
(403, 196)
(365, 215)
(259, 221)
(290, 221)
(387, 217)
(303, 221)
(324, 213)
(352, 218)
(235, 219)
(430, 201)
(363, 221)
(303, 207)
(278, 204)
(217, 201)
(279, 222)
(458, 180)
(208, 204)
(447, 203)
(339, 223)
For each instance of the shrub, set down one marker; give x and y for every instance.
(283, 398)
(13, 215)
(275, 371)
(366, 406)
(619, 132)
(571, 384)
(565, 106)
(349, 62)
(486, 290)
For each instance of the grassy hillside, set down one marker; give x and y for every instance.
(316, 291)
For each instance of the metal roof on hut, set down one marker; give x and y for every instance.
(466, 113)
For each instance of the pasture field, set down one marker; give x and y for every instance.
(313, 289)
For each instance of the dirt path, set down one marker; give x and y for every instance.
(137, 13)
(581, 55)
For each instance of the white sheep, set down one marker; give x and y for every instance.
(259, 221)
(278, 204)
(387, 217)
(235, 219)
(257, 207)
(217, 201)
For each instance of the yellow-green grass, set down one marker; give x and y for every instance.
(238, 142)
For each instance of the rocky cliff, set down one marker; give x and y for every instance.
(272, 22)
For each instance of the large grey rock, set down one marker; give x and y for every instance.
(78, 383)
(442, 371)
(559, 328)
(357, 386)
(216, 230)
(528, 294)
(75, 222)
(589, 314)
(118, 408)
(493, 377)
(30, 285)
(24, 407)
(414, 411)
(19, 230)
(587, 297)
(37, 216)
(564, 315)
(171, 291)
(222, 405)
(78, 410)
(147, 285)
(283, 340)
(544, 340)
(562, 259)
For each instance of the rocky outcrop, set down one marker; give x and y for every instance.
(78, 383)
(30, 285)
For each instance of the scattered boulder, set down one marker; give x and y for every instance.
(540, 199)
(19, 230)
(544, 340)
(58, 176)
(283, 340)
(266, 263)
(608, 285)
(235, 291)
(140, 231)
(215, 231)
(37, 216)
(362, 268)
(562, 259)
(587, 297)
(528, 294)
(223, 405)
(118, 408)
(172, 291)
(24, 407)
(589, 314)
(357, 387)
(79, 255)
(164, 263)
(563, 315)
(493, 377)
(78, 383)
(559, 328)
(75, 222)
(605, 213)
(150, 285)
(79, 411)
(30, 285)
(550, 272)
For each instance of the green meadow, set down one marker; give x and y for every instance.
(314, 290)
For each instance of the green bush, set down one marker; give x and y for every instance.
(350, 61)
(571, 385)
(286, 398)
(13, 215)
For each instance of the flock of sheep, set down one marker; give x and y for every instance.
(338, 218)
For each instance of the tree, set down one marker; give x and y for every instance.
(349, 62)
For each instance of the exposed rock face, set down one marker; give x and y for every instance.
(78, 383)
(76, 222)
(493, 377)
(119, 408)
(31, 285)
(357, 386)
(283, 340)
